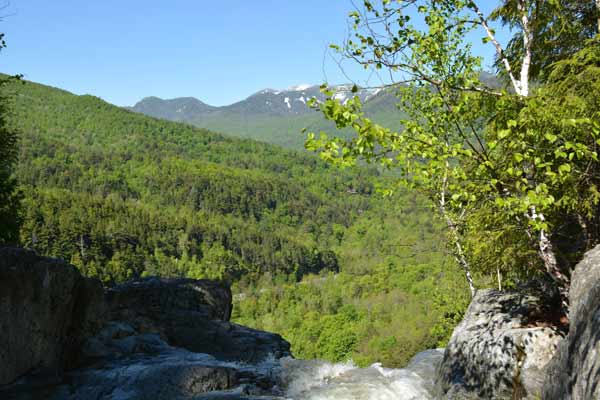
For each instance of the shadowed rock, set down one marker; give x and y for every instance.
(46, 310)
(575, 371)
(496, 352)
(192, 314)
(63, 337)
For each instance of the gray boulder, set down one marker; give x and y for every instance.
(146, 297)
(499, 350)
(192, 314)
(63, 337)
(575, 371)
(46, 310)
(128, 365)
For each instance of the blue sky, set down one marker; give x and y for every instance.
(217, 51)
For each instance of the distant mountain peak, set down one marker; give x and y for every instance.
(182, 109)
(260, 106)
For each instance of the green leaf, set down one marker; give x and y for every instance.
(564, 168)
(550, 137)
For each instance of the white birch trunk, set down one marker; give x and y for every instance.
(527, 39)
(499, 279)
(459, 254)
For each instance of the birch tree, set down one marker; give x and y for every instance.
(467, 145)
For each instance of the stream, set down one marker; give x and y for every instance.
(171, 373)
(319, 380)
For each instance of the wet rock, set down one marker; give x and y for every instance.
(46, 310)
(133, 366)
(64, 337)
(119, 339)
(169, 377)
(496, 352)
(575, 371)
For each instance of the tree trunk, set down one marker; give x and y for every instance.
(459, 255)
(546, 251)
(526, 62)
(499, 276)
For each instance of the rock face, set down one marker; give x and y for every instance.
(192, 314)
(148, 339)
(144, 299)
(575, 371)
(497, 351)
(130, 365)
(46, 310)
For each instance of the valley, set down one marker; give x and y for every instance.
(121, 195)
(431, 231)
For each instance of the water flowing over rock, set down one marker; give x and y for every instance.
(497, 351)
(575, 371)
(320, 380)
(138, 366)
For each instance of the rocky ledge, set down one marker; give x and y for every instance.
(503, 350)
(575, 371)
(65, 337)
(499, 350)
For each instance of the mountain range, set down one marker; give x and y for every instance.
(270, 115)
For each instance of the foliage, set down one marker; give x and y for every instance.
(512, 167)
(560, 29)
(123, 195)
(386, 315)
(10, 196)
(394, 294)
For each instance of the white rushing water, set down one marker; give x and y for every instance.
(136, 377)
(320, 380)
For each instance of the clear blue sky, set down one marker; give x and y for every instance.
(217, 51)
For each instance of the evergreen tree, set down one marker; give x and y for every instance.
(9, 194)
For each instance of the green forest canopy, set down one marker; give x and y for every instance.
(313, 251)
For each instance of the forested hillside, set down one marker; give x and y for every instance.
(123, 195)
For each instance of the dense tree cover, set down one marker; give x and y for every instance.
(313, 252)
(109, 187)
(515, 164)
(391, 299)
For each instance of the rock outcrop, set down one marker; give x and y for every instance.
(131, 365)
(575, 372)
(62, 336)
(47, 309)
(193, 314)
(497, 351)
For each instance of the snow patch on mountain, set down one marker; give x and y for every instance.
(270, 91)
(373, 93)
(342, 96)
(298, 88)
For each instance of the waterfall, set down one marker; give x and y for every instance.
(320, 380)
